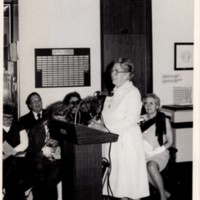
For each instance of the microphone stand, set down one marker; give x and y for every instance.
(77, 111)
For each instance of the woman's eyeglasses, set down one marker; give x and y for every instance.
(118, 71)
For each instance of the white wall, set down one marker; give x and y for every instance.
(60, 24)
(76, 23)
(172, 22)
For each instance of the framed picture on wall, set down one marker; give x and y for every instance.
(183, 56)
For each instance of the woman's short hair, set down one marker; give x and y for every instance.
(154, 96)
(70, 95)
(126, 64)
(58, 108)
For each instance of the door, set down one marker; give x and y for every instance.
(126, 31)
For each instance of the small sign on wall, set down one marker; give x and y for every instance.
(182, 95)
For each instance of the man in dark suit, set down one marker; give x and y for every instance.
(44, 153)
(36, 114)
(28, 121)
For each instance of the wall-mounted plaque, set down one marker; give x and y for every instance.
(62, 67)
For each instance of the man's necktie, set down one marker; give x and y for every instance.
(39, 116)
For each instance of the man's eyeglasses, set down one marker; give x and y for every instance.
(7, 117)
(36, 101)
(118, 72)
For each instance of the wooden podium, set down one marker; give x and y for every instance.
(81, 154)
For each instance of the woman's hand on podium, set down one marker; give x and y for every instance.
(97, 125)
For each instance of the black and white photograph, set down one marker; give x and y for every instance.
(100, 100)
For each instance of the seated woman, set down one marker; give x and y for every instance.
(81, 111)
(157, 136)
(72, 100)
(15, 142)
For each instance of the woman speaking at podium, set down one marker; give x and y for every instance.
(121, 113)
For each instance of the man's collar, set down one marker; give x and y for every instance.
(6, 128)
(36, 114)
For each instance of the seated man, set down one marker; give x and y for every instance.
(15, 142)
(43, 151)
(37, 113)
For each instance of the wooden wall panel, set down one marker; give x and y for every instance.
(126, 32)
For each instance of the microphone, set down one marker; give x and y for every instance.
(103, 93)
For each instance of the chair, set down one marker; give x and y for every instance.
(169, 175)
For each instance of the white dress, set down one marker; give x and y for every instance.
(121, 115)
(149, 136)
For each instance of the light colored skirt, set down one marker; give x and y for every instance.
(161, 159)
